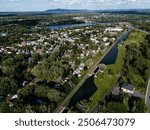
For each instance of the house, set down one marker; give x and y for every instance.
(105, 39)
(127, 88)
(82, 56)
(77, 71)
(115, 29)
(107, 43)
(81, 66)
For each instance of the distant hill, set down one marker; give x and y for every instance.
(127, 11)
(66, 11)
(120, 11)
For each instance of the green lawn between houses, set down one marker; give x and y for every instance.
(104, 81)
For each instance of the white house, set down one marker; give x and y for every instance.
(115, 29)
(81, 66)
(105, 39)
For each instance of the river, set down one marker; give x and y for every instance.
(65, 26)
(56, 27)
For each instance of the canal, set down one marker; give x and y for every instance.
(89, 87)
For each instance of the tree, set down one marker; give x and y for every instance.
(24, 92)
(7, 86)
(49, 70)
(83, 106)
(115, 107)
(4, 108)
(77, 61)
(136, 105)
(102, 67)
(67, 87)
(8, 67)
(43, 108)
(53, 95)
(74, 79)
(41, 91)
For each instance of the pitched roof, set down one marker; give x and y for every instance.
(128, 86)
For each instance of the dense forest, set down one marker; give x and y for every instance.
(137, 64)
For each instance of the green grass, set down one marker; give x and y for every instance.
(135, 37)
(104, 82)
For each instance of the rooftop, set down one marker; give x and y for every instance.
(128, 86)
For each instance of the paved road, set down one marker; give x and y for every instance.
(138, 94)
(147, 97)
(67, 99)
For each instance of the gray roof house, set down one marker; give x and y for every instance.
(127, 88)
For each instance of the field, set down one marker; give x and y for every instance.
(135, 37)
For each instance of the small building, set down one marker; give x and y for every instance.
(77, 71)
(107, 43)
(105, 39)
(113, 29)
(81, 66)
(127, 88)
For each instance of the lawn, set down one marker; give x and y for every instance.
(135, 37)
(105, 81)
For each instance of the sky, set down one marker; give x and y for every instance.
(42, 5)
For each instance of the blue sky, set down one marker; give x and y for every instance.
(41, 5)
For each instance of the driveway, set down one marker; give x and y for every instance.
(138, 94)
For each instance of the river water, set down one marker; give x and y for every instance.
(56, 27)
(65, 26)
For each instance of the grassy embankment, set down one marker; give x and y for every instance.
(105, 81)
(135, 37)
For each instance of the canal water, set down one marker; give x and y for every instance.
(86, 91)
(111, 56)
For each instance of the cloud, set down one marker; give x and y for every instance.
(14, 0)
(132, 0)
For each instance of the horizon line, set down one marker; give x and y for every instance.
(75, 10)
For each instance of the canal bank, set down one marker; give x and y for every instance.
(108, 79)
